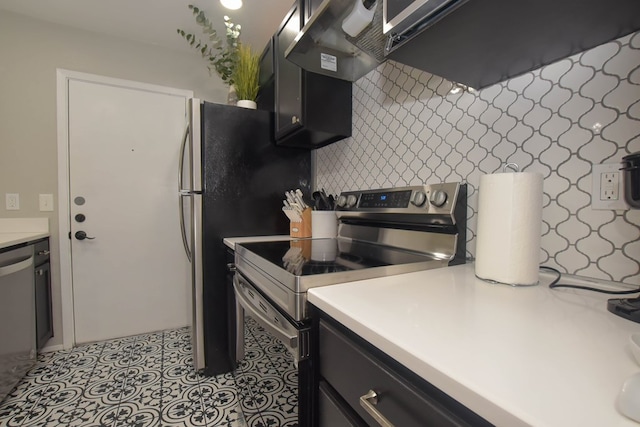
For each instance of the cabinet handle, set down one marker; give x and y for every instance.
(40, 272)
(45, 252)
(18, 266)
(367, 402)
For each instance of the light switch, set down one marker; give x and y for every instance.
(12, 201)
(46, 202)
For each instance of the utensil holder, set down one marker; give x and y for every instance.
(302, 228)
(324, 224)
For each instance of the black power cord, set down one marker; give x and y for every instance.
(554, 284)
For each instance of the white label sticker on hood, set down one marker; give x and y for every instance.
(328, 62)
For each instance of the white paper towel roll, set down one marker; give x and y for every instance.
(358, 18)
(509, 228)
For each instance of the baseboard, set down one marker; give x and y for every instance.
(51, 348)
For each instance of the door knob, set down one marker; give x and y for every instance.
(81, 235)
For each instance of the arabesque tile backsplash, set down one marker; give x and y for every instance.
(560, 120)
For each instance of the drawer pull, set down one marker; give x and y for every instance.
(367, 402)
(45, 252)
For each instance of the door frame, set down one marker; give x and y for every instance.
(63, 77)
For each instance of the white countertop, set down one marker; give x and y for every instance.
(516, 356)
(14, 231)
(231, 241)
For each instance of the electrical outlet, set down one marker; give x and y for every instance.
(610, 185)
(12, 201)
(46, 202)
(607, 187)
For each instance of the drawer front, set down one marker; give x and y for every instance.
(41, 252)
(333, 412)
(353, 373)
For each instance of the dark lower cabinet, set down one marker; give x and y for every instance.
(42, 270)
(361, 386)
(333, 411)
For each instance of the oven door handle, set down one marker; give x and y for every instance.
(289, 339)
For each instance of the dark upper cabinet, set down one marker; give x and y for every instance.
(310, 110)
(481, 43)
(288, 77)
(266, 93)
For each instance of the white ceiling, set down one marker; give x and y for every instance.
(155, 21)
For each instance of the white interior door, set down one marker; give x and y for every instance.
(132, 276)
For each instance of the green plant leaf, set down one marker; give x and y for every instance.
(221, 58)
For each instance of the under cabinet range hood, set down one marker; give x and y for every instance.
(324, 47)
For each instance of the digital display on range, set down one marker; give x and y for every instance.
(392, 199)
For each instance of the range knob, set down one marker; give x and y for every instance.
(438, 198)
(351, 200)
(419, 198)
(341, 201)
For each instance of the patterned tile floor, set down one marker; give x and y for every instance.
(147, 380)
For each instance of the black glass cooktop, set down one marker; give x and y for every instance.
(307, 257)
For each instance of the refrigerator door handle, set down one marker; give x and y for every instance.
(197, 335)
(195, 145)
(183, 146)
(185, 240)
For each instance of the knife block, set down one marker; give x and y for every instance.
(302, 228)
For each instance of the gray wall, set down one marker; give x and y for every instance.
(31, 51)
(559, 120)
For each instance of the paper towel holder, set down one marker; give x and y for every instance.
(526, 275)
(513, 166)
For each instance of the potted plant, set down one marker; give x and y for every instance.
(220, 58)
(245, 76)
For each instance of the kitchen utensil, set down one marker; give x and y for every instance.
(325, 201)
(290, 197)
(292, 214)
(298, 197)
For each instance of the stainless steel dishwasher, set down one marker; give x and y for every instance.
(17, 317)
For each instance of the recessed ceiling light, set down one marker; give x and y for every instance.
(232, 4)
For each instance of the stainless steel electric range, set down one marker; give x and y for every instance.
(380, 233)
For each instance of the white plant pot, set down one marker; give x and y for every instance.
(245, 103)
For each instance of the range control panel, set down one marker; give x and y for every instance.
(437, 199)
(385, 199)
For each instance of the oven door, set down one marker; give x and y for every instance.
(252, 303)
(295, 336)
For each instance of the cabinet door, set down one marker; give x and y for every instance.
(288, 77)
(266, 91)
(44, 320)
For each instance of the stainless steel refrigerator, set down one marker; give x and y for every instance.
(231, 183)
